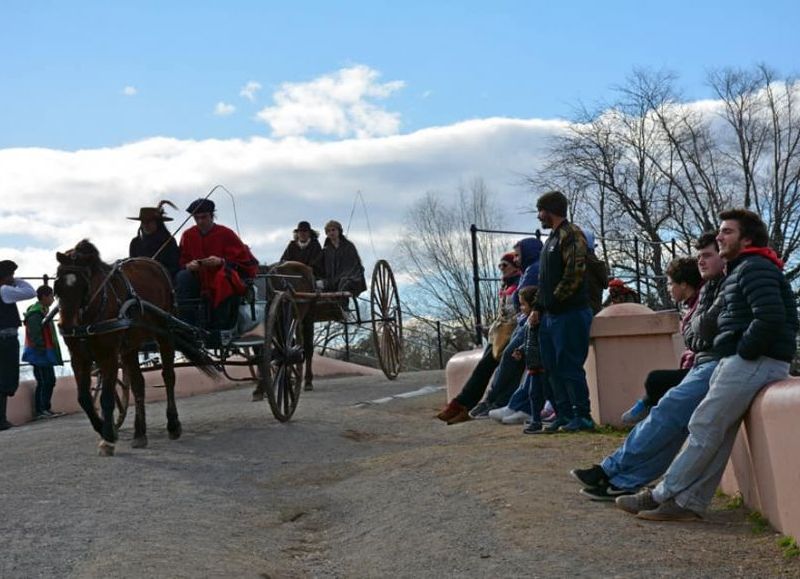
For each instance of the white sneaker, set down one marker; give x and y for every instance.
(518, 417)
(500, 413)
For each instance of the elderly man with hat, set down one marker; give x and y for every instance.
(153, 240)
(214, 262)
(305, 248)
(12, 290)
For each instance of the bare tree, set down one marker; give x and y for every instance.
(437, 254)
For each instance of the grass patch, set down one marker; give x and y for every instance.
(789, 547)
(759, 524)
(613, 430)
(734, 502)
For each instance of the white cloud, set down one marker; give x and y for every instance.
(224, 109)
(338, 104)
(129, 91)
(249, 90)
(276, 183)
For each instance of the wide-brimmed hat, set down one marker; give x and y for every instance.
(154, 213)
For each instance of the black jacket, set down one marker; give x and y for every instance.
(758, 313)
(343, 269)
(147, 245)
(699, 333)
(311, 255)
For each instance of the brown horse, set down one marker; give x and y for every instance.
(106, 314)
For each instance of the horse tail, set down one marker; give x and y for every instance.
(188, 345)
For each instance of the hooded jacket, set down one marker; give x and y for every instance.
(757, 309)
(529, 248)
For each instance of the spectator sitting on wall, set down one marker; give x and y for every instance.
(596, 274)
(619, 293)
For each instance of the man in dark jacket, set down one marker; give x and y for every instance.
(566, 317)
(655, 441)
(756, 340)
(305, 248)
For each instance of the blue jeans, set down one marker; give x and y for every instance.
(564, 345)
(655, 441)
(529, 397)
(509, 372)
(694, 475)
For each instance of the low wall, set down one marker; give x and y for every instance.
(188, 382)
(765, 463)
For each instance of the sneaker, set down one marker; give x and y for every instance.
(462, 416)
(40, 416)
(555, 425)
(450, 411)
(500, 413)
(548, 415)
(594, 477)
(518, 417)
(669, 510)
(577, 424)
(480, 411)
(636, 413)
(641, 501)
(605, 494)
(533, 428)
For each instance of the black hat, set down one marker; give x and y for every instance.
(303, 226)
(201, 206)
(151, 214)
(7, 268)
(555, 202)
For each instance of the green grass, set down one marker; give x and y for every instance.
(734, 502)
(789, 547)
(759, 524)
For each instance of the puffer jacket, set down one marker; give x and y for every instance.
(758, 313)
(699, 332)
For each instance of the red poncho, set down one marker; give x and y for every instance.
(222, 282)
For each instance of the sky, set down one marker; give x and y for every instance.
(297, 108)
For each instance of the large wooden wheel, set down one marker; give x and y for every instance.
(387, 322)
(282, 363)
(122, 395)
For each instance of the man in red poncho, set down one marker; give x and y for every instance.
(214, 262)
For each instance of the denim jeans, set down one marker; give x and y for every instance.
(509, 373)
(529, 397)
(45, 382)
(654, 442)
(694, 475)
(564, 345)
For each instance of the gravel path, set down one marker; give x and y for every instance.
(341, 491)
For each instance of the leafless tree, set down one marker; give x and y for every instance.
(436, 252)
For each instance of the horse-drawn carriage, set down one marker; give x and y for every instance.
(114, 316)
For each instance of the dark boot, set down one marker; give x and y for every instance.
(4, 423)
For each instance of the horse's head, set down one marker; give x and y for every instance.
(73, 283)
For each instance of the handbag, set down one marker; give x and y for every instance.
(500, 333)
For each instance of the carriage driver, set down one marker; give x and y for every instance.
(213, 263)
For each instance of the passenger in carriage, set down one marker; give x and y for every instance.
(214, 264)
(305, 248)
(153, 235)
(342, 268)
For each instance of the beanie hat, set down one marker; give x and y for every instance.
(555, 202)
(510, 258)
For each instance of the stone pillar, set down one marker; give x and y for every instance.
(627, 342)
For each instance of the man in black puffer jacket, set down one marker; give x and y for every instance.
(757, 326)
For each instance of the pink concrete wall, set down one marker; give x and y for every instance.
(188, 382)
(765, 463)
(458, 369)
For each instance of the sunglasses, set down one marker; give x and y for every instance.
(503, 265)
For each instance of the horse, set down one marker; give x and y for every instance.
(106, 313)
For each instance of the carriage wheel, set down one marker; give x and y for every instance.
(282, 362)
(387, 321)
(122, 396)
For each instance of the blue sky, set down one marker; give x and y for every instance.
(109, 106)
(65, 64)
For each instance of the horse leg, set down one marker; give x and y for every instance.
(108, 372)
(130, 362)
(308, 350)
(167, 350)
(83, 378)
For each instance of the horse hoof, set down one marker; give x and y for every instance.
(105, 448)
(308, 387)
(175, 433)
(139, 442)
(258, 396)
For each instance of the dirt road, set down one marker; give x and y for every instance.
(344, 490)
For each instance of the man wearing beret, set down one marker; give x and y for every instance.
(563, 304)
(213, 263)
(12, 290)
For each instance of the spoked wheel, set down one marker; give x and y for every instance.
(122, 395)
(282, 363)
(387, 321)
